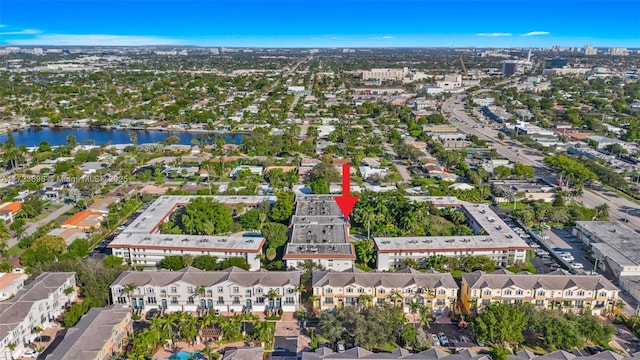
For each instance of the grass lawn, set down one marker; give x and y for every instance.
(635, 201)
(14, 250)
(509, 205)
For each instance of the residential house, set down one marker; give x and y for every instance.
(38, 304)
(69, 235)
(191, 289)
(9, 210)
(102, 204)
(93, 166)
(100, 334)
(557, 290)
(10, 283)
(85, 220)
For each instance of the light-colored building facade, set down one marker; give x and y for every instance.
(142, 244)
(384, 74)
(191, 289)
(38, 304)
(557, 290)
(11, 283)
(100, 334)
(354, 287)
(493, 238)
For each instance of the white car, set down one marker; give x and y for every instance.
(30, 354)
(577, 266)
(567, 258)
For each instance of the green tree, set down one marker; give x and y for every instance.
(206, 262)
(112, 260)
(202, 210)
(500, 324)
(283, 208)
(171, 262)
(238, 261)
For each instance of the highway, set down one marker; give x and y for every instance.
(619, 207)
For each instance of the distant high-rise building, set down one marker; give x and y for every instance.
(555, 63)
(590, 50)
(618, 51)
(38, 51)
(509, 68)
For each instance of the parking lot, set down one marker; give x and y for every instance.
(457, 337)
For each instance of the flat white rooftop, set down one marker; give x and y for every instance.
(142, 233)
(160, 210)
(248, 242)
(494, 232)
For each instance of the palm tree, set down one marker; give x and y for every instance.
(209, 352)
(602, 211)
(128, 292)
(365, 300)
(369, 216)
(262, 217)
(395, 296)
(425, 316)
(414, 308)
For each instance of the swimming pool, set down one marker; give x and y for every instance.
(185, 355)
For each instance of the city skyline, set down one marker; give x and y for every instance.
(287, 23)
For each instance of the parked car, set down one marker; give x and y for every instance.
(340, 347)
(577, 266)
(593, 350)
(30, 354)
(443, 339)
(151, 314)
(435, 340)
(42, 338)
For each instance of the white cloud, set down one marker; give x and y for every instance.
(94, 40)
(20, 32)
(2, 25)
(387, 37)
(536, 33)
(495, 34)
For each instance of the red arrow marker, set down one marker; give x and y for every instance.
(346, 202)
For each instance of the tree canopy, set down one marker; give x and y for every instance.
(205, 216)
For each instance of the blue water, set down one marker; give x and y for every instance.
(57, 136)
(184, 355)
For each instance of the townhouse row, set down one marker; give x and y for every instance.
(235, 290)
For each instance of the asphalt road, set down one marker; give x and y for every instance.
(619, 207)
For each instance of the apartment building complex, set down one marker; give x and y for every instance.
(191, 289)
(384, 74)
(36, 305)
(557, 290)
(493, 238)
(353, 287)
(99, 335)
(141, 243)
(319, 233)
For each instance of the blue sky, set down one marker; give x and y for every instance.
(328, 23)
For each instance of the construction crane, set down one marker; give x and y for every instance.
(464, 68)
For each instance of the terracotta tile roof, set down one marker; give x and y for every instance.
(83, 218)
(14, 206)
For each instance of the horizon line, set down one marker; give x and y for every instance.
(635, 47)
